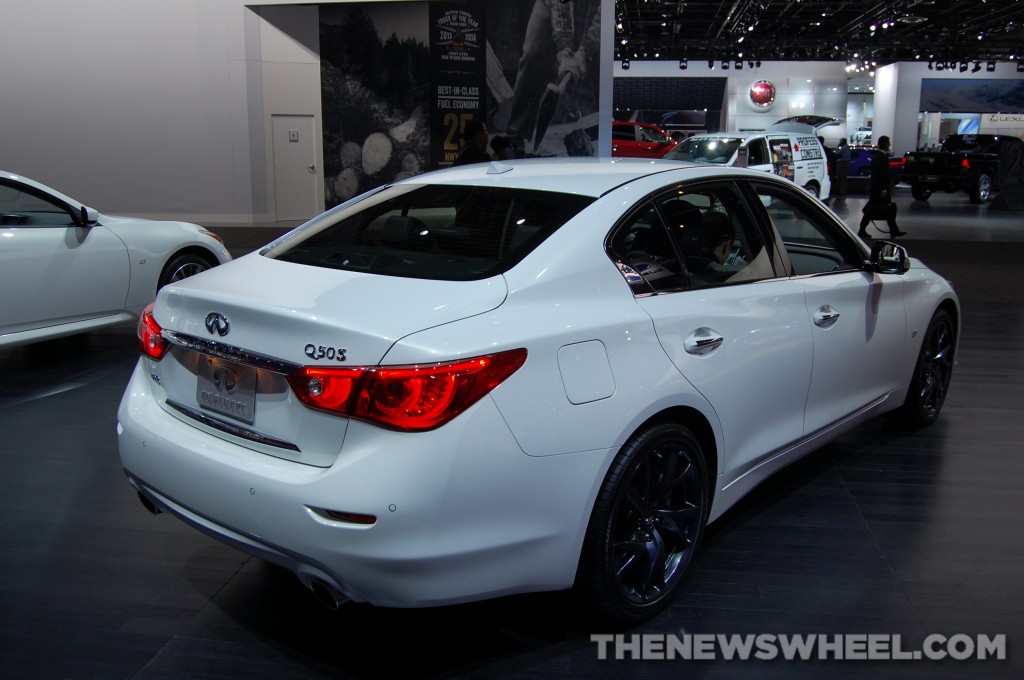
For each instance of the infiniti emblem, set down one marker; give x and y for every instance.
(224, 379)
(217, 323)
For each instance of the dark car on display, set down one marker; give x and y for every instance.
(860, 160)
(963, 163)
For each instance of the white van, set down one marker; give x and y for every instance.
(791, 150)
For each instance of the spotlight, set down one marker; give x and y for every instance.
(963, 66)
(750, 64)
(738, 65)
(991, 66)
(940, 66)
(758, 63)
(976, 67)
(711, 64)
(725, 65)
(1020, 67)
(682, 64)
(931, 66)
(625, 64)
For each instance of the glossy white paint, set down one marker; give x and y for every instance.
(78, 275)
(497, 500)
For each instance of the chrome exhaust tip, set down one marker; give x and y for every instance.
(328, 596)
(149, 505)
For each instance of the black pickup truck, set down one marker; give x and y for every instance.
(963, 163)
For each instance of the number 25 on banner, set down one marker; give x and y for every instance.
(455, 122)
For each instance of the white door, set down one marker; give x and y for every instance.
(53, 271)
(745, 346)
(296, 176)
(857, 318)
(859, 326)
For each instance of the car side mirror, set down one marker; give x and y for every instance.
(888, 258)
(89, 216)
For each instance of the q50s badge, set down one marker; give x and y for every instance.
(318, 352)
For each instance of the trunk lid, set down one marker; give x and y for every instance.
(240, 328)
(277, 308)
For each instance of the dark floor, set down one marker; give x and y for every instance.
(884, 531)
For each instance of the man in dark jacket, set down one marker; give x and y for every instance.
(880, 205)
(474, 134)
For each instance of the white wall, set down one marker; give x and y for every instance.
(126, 104)
(813, 87)
(162, 108)
(159, 108)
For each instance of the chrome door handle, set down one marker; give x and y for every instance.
(826, 316)
(702, 341)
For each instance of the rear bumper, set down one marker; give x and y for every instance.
(462, 513)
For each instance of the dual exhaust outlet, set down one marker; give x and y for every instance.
(327, 594)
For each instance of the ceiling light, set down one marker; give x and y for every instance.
(976, 67)
(625, 64)
(683, 64)
(991, 66)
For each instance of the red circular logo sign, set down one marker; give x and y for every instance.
(762, 94)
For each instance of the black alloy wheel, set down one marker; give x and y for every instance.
(646, 525)
(932, 373)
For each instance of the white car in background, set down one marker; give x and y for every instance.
(65, 268)
(539, 375)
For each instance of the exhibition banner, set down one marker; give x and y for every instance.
(459, 74)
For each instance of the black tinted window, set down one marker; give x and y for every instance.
(451, 233)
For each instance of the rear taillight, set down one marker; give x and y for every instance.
(151, 343)
(408, 398)
(965, 164)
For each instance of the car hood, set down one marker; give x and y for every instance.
(290, 311)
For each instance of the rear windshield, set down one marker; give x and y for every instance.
(452, 233)
(972, 143)
(705, 149)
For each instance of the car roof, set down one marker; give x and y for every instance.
(582, 176)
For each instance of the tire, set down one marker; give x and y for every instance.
(646, 524)
(932, 373)
(982, 190)
(920, 193)
(183, 266)
(812, 189)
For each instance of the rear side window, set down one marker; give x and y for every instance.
(453, 233)
(690, 238)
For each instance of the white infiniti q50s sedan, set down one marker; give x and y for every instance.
(539, 375)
